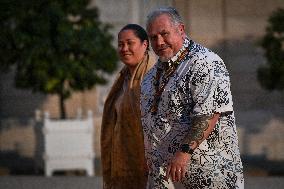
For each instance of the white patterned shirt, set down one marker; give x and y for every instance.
(199, 86)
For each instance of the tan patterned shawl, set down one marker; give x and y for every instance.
(122, 146)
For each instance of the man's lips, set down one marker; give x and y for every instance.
(163, 48)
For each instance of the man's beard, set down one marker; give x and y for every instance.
(164, 59)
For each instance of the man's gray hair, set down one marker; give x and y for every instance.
(170, 11)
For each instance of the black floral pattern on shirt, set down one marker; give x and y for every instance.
(200, 86)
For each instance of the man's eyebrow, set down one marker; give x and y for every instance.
(162, 31)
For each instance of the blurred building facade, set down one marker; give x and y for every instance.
(230, 28)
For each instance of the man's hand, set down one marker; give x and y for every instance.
(177, 167)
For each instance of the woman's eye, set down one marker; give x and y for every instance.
(130, 43)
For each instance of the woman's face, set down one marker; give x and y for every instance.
(130, 48)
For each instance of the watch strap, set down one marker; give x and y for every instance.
(185, 148)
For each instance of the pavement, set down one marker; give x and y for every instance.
(81, 182)
(56, 182)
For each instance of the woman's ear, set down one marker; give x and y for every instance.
(146, 44)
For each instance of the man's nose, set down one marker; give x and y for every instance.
(160, 40)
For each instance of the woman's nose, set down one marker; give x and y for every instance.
(124, 48)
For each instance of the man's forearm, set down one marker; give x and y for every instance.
(200, 129)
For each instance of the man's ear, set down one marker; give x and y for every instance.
(181, 29)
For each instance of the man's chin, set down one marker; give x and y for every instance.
(164, 59)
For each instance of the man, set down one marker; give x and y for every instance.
(187, 115)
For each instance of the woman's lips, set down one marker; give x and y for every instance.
(126, 55)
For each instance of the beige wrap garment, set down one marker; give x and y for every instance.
(122, 146)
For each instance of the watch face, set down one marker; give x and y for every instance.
(186, 149)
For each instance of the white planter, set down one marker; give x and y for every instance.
(68, 145)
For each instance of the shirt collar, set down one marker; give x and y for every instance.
(186, 44)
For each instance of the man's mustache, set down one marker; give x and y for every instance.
(163, 47)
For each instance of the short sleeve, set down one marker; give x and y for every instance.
(210, 87)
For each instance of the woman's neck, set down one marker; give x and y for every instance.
(131, 69)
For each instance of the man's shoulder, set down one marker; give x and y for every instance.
(202, 55)
(200, 51)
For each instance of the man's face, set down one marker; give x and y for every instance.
(165, 37)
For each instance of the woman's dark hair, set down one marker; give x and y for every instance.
(138, 31)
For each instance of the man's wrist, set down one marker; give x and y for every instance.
(185, 148)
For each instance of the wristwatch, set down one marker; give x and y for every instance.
(185, 148)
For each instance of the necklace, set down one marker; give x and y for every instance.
(170, 68)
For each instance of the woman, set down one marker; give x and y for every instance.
(122, 146)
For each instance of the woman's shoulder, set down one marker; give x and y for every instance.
(151, 60)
